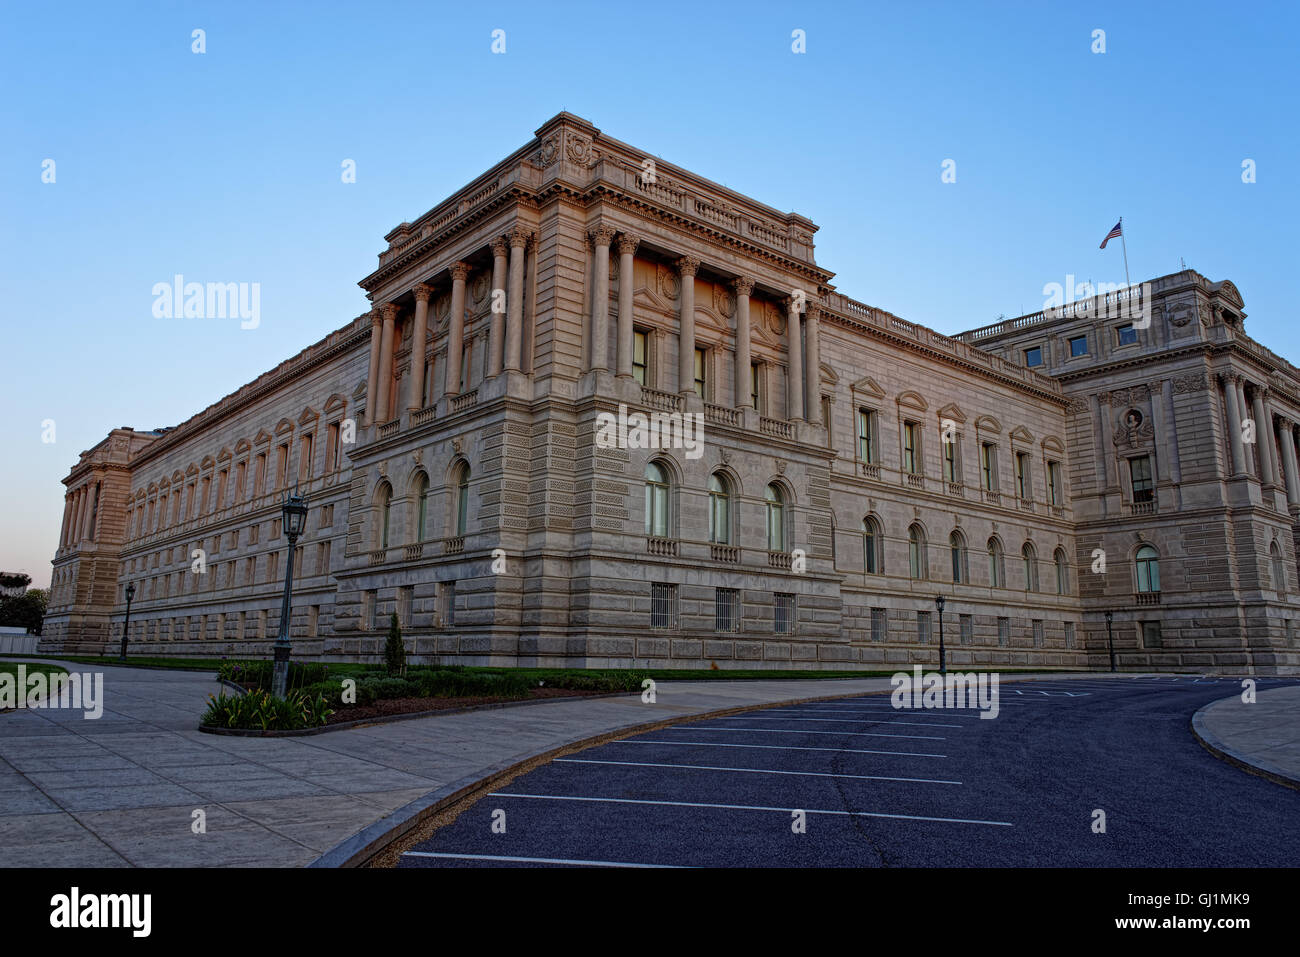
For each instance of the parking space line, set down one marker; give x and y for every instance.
(534, 860)
(777, 747)
(949, 712)
(808, 774)
(853, 734)
(918, 724)
(746, 807)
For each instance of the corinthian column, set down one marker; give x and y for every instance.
(372, 378)
(600, 240)
(794, 350)
(497, 329)
(687, 266)
(743, 286)
(1229, 388)
(1289, 462)
(623, 358)
(389, 312)
(519, 237)
(1243, 411)
(419, 333)
(813, 377)
(456, 327)
(1264, 436)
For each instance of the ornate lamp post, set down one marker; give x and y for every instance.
(1110, 639)
(294, 510)
(943, 664)
(126, 625)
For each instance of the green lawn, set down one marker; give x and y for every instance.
(32, 667)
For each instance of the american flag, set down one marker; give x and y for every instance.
(1115, 231)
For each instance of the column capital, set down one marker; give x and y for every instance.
(742, 285)
(687, 265)
(422, 291)
(791, 304)
(601, 235)
(459, 271)
(1227, 378)
(499, 246)
(1261, 392)
(389, 311)
(813, 309)
(519, 236)
(376, 317)
(627, 243)
(1286, 424)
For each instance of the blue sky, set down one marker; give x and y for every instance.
(225, 166)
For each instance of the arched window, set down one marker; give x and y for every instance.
(997, 575)
(656, 500)
(1062, 573)
(1148, 569)
(462, 499)
(916, 552)
(1030, 559)
(421, 506)
(871, 547)
(719, 510)
(384, 500)
(957, 546)
(1279, 570)
(775, 518)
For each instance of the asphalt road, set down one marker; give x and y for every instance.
(890, 788)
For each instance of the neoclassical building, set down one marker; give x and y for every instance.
(853, 467)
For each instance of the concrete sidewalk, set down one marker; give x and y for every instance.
(121, 790)
(1263, 737)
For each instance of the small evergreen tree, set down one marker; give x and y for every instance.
(394, 650)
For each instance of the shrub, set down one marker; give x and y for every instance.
(260, 710)
(394, 650)
(258, 674)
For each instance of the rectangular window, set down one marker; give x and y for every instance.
(404, 593)
(663, 605)
(222, 478)
(304, 468)
(1034, 357)
(259, 475)
(1054, 483)
(784, 611)
(281, 466)
(1078, 346)
(911, 457)
(826, 418)
(1150, 634)
(447, 603)
(241, 481)
(988, 466)
(967, 629)
(368, 608)
(273, 567)
(922, 626)
(866, 436)
(1038, 632)
(466, 365)
(323, 558)
(1024, 484)
(756, 386)
(332, 436)
(879, 624)
(1126, 334)
(1140, 473)
(701, 366)
(950, 471)
(326, 516)
(1069, 634)
(313, 617)
(726, 609)
(1004, 631)
(640, 355)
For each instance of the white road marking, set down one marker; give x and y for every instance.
(918, 724)
(533, 860)
(746, 807)
(777, 747)
(706, 767)
(855, 734)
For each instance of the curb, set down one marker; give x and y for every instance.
(369, 842)
(390, 718)
(1229, 755)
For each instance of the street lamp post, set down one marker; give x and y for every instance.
(294, 510)
(1110, 639)
(943, 663)
(126, 625)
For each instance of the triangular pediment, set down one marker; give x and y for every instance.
(1022, 434)
(867, 386)
(954, 412)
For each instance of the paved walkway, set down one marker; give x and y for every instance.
(121, 790)
(1263, 736)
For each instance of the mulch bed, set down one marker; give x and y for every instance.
(390, 706)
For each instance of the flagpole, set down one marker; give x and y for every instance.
(1124, 246)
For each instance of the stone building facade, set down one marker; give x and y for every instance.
(853, 467)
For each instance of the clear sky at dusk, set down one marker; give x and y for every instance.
(225, 166)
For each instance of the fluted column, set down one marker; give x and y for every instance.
(456, 327)
(813, 376)
(88, 511)
(74, 527)
(626, 248)
(1264, 435)
(743, 286)
(519, 237)
(497, 328)
(1243, 410)
(1229, 388)
(384, 384)
(600, 240)
(1289, 462)
(794, 355)
(372, 377)
(67, 514)
(419, 333)
(687, 266)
